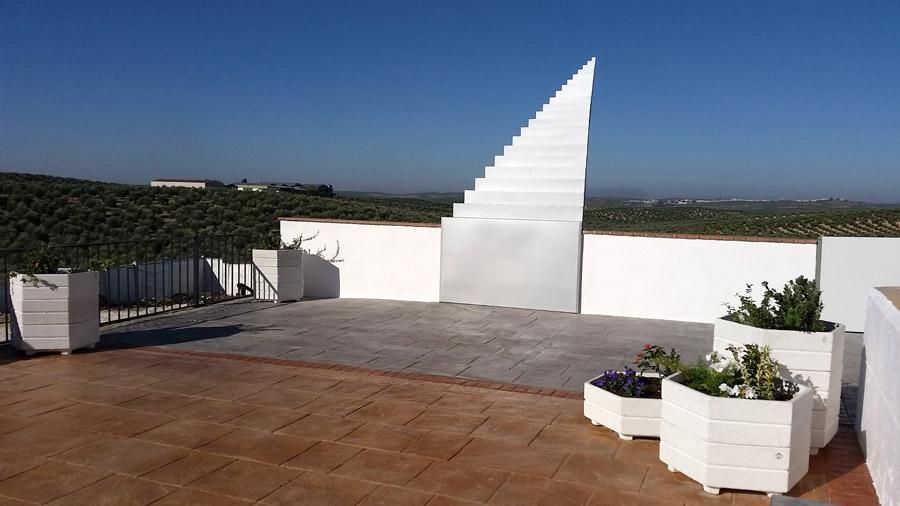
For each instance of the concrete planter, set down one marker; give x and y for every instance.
(731, 443)
(279, 274)
(628, 416)
(55, 312)
(814, 359)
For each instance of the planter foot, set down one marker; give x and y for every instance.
(813, 451)
(29, 353)
(711, 490)
(773, 494)
(625, 437)
(672, 469)
(594, 422)
(65, 352)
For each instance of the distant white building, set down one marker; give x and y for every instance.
(186, 183)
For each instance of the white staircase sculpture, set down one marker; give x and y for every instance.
(541, 174)
(516, 239)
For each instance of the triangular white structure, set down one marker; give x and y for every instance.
(516, 239)
(540, 176)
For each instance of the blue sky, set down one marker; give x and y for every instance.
(757, 99)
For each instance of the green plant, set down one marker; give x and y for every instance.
(797, 307)
(749, 373)
(44, 258)
(655, 358)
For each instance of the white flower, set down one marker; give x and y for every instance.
(732, 391)
(747, 392)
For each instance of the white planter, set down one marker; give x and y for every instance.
(279, 274)
(815, 359)
(731, 443)
(628, 416)
(55, 312)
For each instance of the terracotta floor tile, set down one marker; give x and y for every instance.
(230, 390)
(245, 480)
(209, 410)
(638, 451)
(383, 436)
(49, 481)
(601, 471)
(325, 456)
(44, 439)
(613, 497)
(309, 383)
(135, 378)
(509, 429)
(463, 403)
(120, 455)
(326, 428)
(283, 398)
(12, 423)
(316, 488)
(259, 446)
(333, 405)
(190, 468)
(118, 490)
(183, 384)
(510, 457)
(581, 438)
(438, 445)
(191, 497)
(80, 415)
(442, 500)
(662, 485)
(409, 393)
(357, 389)
(267, 419)
(394, 496)
(750, 499)
(447, 420)
(12, 464)
(522, 409)
(186, 433)
(264, 376)
(6, 501)
(34, 407)
(812, 486)
(95, 393)
(383, 467)
(398, 413)
(26, 382)
(156, 402)
(130, 422)
(463, 482)
(525, 490)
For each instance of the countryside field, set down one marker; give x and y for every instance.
(45, 208)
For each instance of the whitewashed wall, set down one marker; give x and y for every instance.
(878, 413)
(681, 279)
(376, 261)
(851, 266)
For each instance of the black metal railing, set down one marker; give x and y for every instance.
(152, 276)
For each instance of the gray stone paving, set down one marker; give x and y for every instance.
(500, 344)
(506, 345)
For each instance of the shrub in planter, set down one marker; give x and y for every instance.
(53, 309)
(628, 401)
(279, 269)
(735, 423)
(810, 350)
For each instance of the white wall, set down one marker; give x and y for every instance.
(848, 268)
(878, 413)
(377, 261)
(681, 279)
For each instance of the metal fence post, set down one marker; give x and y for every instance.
(196, 254)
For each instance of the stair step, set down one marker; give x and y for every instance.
(575, 161)
(518, 212)
(492, 172)
(524, 198)
(530, 184)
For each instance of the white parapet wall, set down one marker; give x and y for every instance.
(682, 279)
(851, 266)
(375, 260)
(878, 413)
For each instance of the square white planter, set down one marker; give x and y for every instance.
(279, 274)
(630, 417)
(55, 312)
(814, 359)
(732, 443)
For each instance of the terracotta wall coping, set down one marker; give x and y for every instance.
(786, 240)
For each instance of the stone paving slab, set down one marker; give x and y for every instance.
(165, 426)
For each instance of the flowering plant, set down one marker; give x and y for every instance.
(749, 372)
(627, 383)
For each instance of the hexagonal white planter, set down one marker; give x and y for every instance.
(628, 416)
(279, 274)
(55, 312)
(815, 359)
(732, 443)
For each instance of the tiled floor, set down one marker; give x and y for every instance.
(162, 427)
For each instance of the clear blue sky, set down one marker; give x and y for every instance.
(758, 99)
